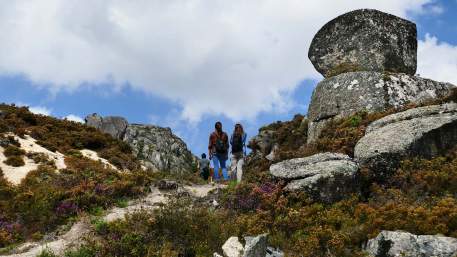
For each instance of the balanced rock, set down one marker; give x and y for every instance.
(326, 177)
(113, 125)
(399, 243)
(365, 40)
(348, 93)
(424, 131)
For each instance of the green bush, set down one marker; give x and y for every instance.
(12, 150)
(15, 161)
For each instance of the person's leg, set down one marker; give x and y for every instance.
(216, 167)
(222, 161)
(232, 167)
(239, 169)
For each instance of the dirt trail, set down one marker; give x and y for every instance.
(81, 228)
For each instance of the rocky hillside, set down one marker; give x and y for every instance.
(157, 148)
(371, 171)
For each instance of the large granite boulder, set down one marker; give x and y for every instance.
(326, 177)
(348, 93)
(113, 125)
(159, 149)
(403, 244)
(365, 40)
(424, 131)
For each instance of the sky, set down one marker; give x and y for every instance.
(187, 64)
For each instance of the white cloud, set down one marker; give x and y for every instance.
(437, 60)
(235, 58)
(40, 110)
(36, 109)
(75, 118)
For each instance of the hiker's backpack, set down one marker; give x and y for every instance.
(220, 145)
(237, 143)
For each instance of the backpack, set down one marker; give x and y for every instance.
(220, 145)
(237, 143)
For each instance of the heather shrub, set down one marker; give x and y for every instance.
(15, 161)
(12, 150)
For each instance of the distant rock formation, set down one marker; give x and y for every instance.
(368, 58)
(399, 243)
(158, 148)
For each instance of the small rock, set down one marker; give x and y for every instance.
(262, 142)
(2, 114)
(273, 155)
(217, 255)
(365, 40)
(233, 248)
(272, 252)
(165, 184)
(399, 243)
(255, 246)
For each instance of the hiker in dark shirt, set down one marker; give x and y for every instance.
(203, 165)
(218, 150)
(238, 142)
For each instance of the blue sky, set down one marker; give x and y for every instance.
(193, 63)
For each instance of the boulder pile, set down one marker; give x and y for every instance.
(368, 59)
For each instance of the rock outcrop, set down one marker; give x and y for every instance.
(113, 125)
(379, 53)
(232, 247)
(398, 243)
(326, 177)
(256, 246)
(157, 148)
(365, 40)
(424, 131)
(262, 142)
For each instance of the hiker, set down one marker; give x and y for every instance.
(238, 142)
(203, 165)
(218, 150)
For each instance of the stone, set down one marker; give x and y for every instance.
(2, 114)
(217, 255)
(404, 244)
(365, 40)
(425, 131)
(159, 149)
(273, 155)
(272, 252)
(113, 125)
(326, 177)
(348, 93)
(255, 246)
(165, 184)
(262, 142)
(233, 248)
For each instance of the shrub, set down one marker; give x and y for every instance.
(15, 161)
(12, 150)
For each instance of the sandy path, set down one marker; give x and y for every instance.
(80, 229)
(28, 144)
